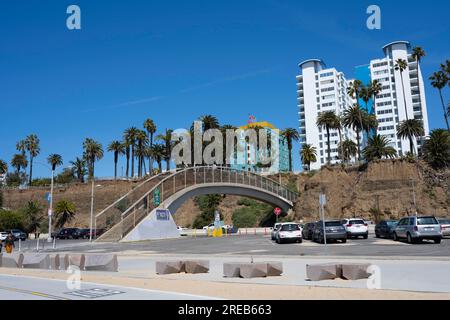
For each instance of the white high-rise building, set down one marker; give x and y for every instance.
(390, 103)
(321, 89)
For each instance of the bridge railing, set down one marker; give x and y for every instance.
(178, 181)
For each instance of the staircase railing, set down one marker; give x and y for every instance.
(183, 179)
(112, 214)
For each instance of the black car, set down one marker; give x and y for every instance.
(308, 230)
(68, 233)
(83, 233)
(385, 229)
(334, 231)
(18, 234)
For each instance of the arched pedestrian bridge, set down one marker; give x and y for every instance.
(171, 190)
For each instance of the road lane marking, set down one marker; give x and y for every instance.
(33, 293)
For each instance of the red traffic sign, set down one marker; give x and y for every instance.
(277, 211)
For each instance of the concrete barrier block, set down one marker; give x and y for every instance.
(1, 255)
(101, 262)
(318, 272)
(274, 269)
(36, 261)
(355, 271)
(253, 270)
(12, 260)
(169, 267)
(232, 270)
(76, 260)
(55, 261)
(64, 262)
(196, 266)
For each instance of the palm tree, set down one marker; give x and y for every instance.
(54, 160)
(224, 129)
(327, 120)
(410, 129)
(370, 122)
(158, 152)
(33, 148)
(65, 212)
(446, 69)
(130, 138)
(375, 89)
(167, 140)
(3, 167)
(209, 122)
(126, 145)
(308, 154)
(378, 148)
(354, 91)
(439, 81)
(436, 150)
(118, 149)
(338, 126)
(401, 65)
(21, 146)
(19, 161)
(417, 54)
(33, 215)
(348, 149)
(150, 126)
(353, 119)
(79, 168)
(290, 135)
(142, 141)
(93, 151)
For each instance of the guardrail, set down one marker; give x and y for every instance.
(117, 229)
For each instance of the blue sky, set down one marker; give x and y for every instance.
(173, 61)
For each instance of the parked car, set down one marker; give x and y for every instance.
(308, 230)
(18, 234)
(334, 230)
(289, 232)
(68, 233)
(3, 236)
(445, 226)
(83, 233)
(356, 228)
(416, 229)
(180, 228)
(274, 231)
(210, 227)
(385, 229)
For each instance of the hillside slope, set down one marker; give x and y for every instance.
(386, 185)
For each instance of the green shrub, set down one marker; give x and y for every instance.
(41, 182)
(244, 218)
(11, 220)
(65, 177)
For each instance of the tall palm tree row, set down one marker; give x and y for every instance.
(93, 151)
(19, 161)
(150, 126)
(378, 148)
(31, 145)
(400, 66)
(353, 118)
(410, 129)
(166, 139)
(290, 135)
(308, 154)
(79, 168)
(439, 80)
(130, 139)
(118, 148)
(327, 120)
(348, 149)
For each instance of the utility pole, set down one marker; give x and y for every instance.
(50, 210)
(92, 210)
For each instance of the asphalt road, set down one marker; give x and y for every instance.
(259, 245)
(30, 288)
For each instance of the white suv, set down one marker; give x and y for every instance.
(356, 228)
(289, 232)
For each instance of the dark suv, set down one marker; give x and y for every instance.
(68, 233)
(308, 230)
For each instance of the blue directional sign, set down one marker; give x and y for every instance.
(48, 197)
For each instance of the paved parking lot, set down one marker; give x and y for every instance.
(258, 245)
